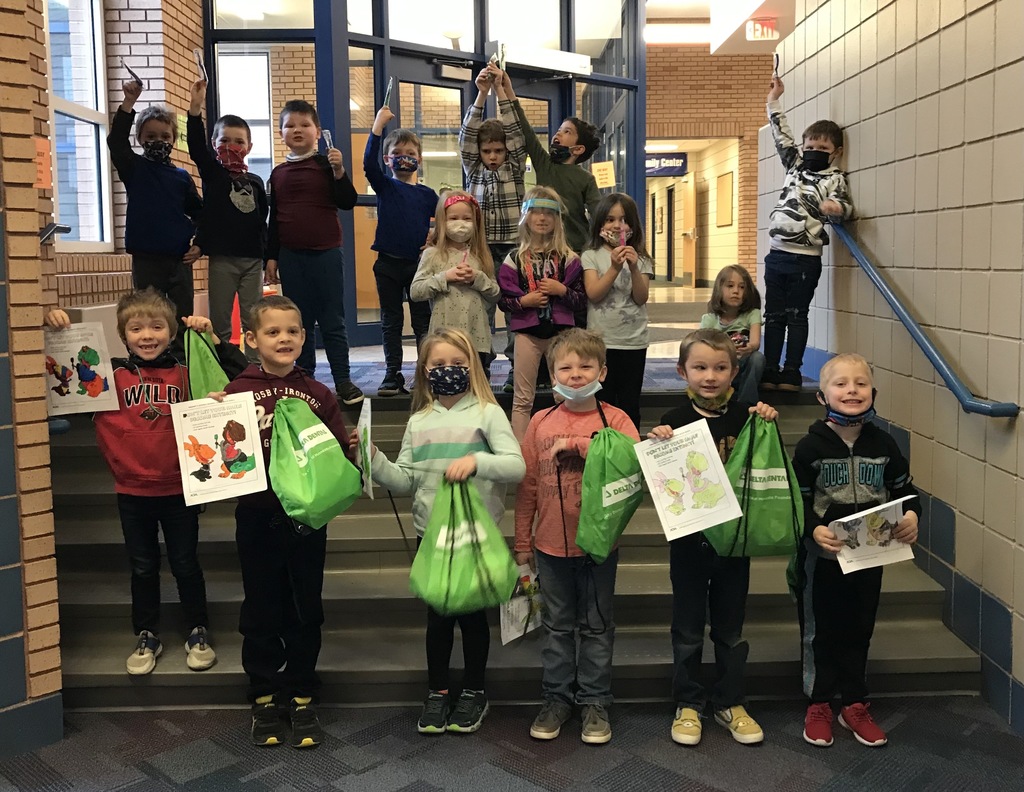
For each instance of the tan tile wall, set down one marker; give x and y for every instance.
(292, 76)
(929, 95)
(30, 282)
(693, 94)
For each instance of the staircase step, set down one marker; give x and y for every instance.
(642, 596)
(382, 664)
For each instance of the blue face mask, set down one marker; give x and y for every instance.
(448, 380)
(559, 153)
(404, 163)
(841, 419)
(576, 394)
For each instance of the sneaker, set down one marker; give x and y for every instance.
(510, 382)
(770, 379)
(306, 731)
(857, 719)
(268, 723)
(393, 384)
(818, 724)
(199, 654)
(686, 728)
(548, 723)
(470, 711)
(147, 650)
(596, 728)
(434, 717)
(743, 728)
(347, 392)
(790, 380)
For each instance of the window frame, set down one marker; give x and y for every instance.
(100, 119)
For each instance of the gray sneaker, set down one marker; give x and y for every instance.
(548, 723)
(596, 728)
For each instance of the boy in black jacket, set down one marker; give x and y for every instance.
(233, 228)
(844, 465)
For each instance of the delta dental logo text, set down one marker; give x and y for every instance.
(620, 490)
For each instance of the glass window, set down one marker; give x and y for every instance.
(605, 108)
(435, 114)
(531, 23)
(449, 25)
(360, 16)
(74, 40)
(537, 111)
(363, 108)
(256, 14)
(604, 32)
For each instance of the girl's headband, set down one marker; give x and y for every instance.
(460, 198)
(541, 203)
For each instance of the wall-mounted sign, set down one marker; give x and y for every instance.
(762, 30)
(604, 174)
(668, 165)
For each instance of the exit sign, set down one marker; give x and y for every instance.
(762, 30)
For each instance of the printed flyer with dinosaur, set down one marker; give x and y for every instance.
(78, 370)
(687, 481)
(219, 448)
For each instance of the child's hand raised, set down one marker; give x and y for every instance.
(777, 89)
(382, 119)
(198, 96)
(831, 208)
(827, 539)
(660, 432)
(906, 529)
(57, 319)
(132, 91)
(461, 469)
(336, 161)
(765, 411)
(200, 324)
(483, 81)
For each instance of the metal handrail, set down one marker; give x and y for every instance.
(968, 401)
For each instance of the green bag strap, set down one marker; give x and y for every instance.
(478, 553)
(748, 464)
(450, 543)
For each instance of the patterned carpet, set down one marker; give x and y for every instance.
(944, 744)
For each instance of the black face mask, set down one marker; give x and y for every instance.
(816, 160)
(559, 153)
(157, 150)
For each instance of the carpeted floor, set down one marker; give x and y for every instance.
(947, 744)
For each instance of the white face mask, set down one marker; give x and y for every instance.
(459, 230)
(577, 394)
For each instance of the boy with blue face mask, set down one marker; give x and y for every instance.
(163, 203)
(814, 191)
(404, 210)
(578, 592)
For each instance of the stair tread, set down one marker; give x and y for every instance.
(910, 646)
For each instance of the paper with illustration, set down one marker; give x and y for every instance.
(78, 371)
(687, 481)
(521, 614)
(219, 449)
(867, 537)
(364, 445)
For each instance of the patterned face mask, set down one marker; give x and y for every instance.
(157, 150)
(404, 163)
(232, 157)
(448, 380)
(613, 237)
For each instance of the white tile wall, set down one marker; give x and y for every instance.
(929, 92)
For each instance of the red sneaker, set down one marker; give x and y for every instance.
(857, 719)
(818, 724)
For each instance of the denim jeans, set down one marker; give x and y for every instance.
(577, 597)
(140, 517)
(394, 276)
(704, 583)
(315, 281)
(282, 610)
(747, 381)
(790, 280)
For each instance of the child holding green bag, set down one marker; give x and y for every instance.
(282, 561)
(456, 430)
(702, 581)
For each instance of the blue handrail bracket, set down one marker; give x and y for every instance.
(968, 401)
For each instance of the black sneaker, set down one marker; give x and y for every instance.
(434, 718)
(347, 392)
(268, 724)
(790, 380)
(306, 731)
(470, 711)
(393, 384)
(510, 382)
(770, 379)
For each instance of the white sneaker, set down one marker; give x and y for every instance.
(200, 654)
(147, 650)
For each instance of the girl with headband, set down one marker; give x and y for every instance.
(542, 288)
(457, 274)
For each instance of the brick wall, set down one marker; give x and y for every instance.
(29, 623)
(693, 94)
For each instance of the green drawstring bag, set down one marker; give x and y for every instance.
(309, 471)
(205, 374)
(769, 495)
(463, 563)
(612, 491)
